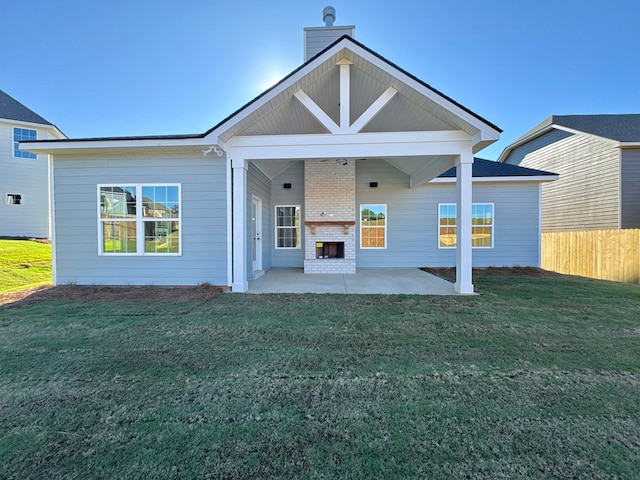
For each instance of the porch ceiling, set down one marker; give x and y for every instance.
(419, 169)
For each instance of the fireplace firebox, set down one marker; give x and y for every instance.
(329, 249)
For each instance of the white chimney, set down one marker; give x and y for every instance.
(317, 39)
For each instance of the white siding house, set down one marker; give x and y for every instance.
(24, 177)
(349, 162)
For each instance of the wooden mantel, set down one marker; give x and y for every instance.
(339, 223)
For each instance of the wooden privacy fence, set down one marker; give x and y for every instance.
(604, 254)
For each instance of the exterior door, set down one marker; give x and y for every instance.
(256, 235)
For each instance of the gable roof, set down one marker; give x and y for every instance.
(622, 128)
(487, 168)
(276, 106)
(11, 109)
(618, 127)
(347, 38)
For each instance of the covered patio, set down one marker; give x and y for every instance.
(388, 281)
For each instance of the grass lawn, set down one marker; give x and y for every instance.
(534, 378)
(24, 264)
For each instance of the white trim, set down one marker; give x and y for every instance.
(139, 221)
(256, 267)
(275, 226)
(88, 144)
(240, 252)
(229, 222)
(464, 196)
(386, 224)
(537, 179)
(345, 95)
(13, 144)
(493, 222)
(360, 145)
(54, 243)
(540, 226)
(42, 126)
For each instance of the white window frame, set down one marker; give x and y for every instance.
(277, 227)
(17, 153)
(386, 223)
(492, 226)
(11, 199)
(139, 221)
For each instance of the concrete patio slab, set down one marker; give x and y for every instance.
(411, 281)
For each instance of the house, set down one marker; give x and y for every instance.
(598, 160)
(24, 182)
(349, 162)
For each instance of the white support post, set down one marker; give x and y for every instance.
(464, 165)
(240, 281)
(345, 92)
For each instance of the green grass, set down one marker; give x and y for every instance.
(534, 378)
(24, 264)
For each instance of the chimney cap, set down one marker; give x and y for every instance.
(328, 16)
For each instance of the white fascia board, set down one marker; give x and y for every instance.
(350, 145)
(98, 144)
(26, 124)
(629, 144)
(55, 132)
(536, 179)
(437, 136)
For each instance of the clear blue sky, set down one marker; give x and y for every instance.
(141, 67)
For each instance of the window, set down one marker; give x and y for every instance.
(481, 225)
(14, 199)
(139, 219)
(373, 226)
(288, 226)
(20, 134)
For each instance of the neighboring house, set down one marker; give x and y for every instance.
(349, 162)
(24, 176)
(598, 160)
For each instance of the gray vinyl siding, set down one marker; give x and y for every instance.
(294, 257)
(586, 196)
(630, 188)
(258, 184)
(317, 39)
(412, 217)
(203, 223)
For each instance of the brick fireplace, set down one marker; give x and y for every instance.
(330, 198)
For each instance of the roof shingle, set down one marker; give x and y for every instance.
(488, 168)
(11, 109)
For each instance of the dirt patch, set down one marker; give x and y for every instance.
(198, 293)
(30, 239)
(450, 272)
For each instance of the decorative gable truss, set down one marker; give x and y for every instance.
(345, 104)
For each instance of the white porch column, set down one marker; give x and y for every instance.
(239, 236)
(464, 165)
